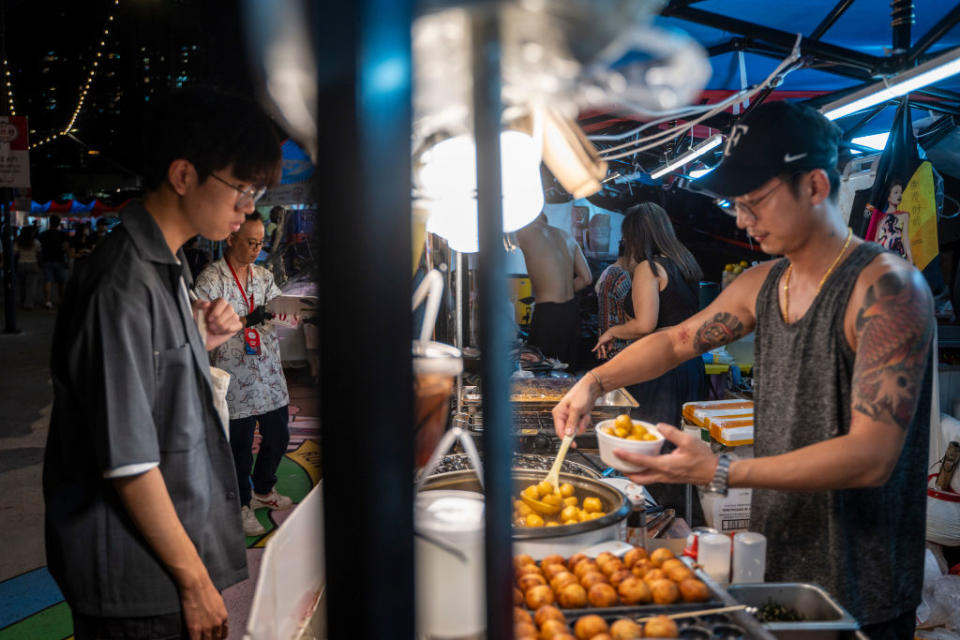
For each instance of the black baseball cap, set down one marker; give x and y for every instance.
(774, 138)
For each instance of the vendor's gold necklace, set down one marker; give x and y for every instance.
(786, 278)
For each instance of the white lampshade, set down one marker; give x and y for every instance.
(448, 179)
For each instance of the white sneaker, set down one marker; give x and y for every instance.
(251, 526)
(272, 500)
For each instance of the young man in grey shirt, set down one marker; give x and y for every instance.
(142, 517)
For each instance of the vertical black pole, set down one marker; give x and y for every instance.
(494, 347)
(9, 276)
(901, 20)
(363, 254)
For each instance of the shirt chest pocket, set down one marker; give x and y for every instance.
(178, 411)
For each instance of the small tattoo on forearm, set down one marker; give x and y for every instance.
(895, 327)
(722, 329)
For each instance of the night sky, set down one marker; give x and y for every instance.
(153, 45)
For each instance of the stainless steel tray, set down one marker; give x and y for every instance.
(617, 400)
(824, 617)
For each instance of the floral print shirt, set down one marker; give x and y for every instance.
(614, 288)
(257, 384)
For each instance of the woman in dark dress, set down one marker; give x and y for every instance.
(664, 292)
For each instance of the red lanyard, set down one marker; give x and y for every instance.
(243, 293)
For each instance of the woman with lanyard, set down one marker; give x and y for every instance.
(258, 390)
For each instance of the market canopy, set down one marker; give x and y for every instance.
(845, 45)
(51, 207)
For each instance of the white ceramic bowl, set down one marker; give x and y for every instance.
(608, 443)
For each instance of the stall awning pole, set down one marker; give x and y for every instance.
(363, 274)
(494, 337)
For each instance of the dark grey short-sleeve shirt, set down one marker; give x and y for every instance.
(131, 387)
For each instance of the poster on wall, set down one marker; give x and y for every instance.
(902, 212)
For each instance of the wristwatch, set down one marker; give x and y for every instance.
(719, 483)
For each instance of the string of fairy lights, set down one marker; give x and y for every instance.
(9, 82)
(88, 81)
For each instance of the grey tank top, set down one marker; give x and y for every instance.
(864, 546)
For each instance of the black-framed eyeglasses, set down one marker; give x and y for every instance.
(254, 244)
(247, 196)
(735, 208)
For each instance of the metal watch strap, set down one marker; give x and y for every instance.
(719, 483)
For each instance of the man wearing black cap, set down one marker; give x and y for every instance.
(842, 376)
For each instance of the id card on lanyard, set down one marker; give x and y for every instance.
(251, 337)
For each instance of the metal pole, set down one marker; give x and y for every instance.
(494, 338)
(363, 56)
(459, 321)
(901, 21)
(9, 275)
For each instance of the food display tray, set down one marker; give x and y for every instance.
(716, 626)
(637, 610)
(721, 626)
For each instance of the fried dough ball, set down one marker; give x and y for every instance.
(584, 567)
(694, 590)
(552, 499)
(574, 559)
(604, 557)
(654, 574)
(592, 504)
(634, 591)
(572, 596)
(563, 579)
(640, 567)
(659, 555)
(679, 574)
(671, 563)
(602, 595)
(570, 513)
(664, 591)
(602, 636)
(528, 580)
(551, 570)
(544, 488)
(610, 566)
(534, 520)
(592, 578)
(538, 596)
(564, 636)
(554, 558)
(566, 490)
(521, 615)
(589, 626)
(548, 612)
(524, 631)
(631, 557)
(571, 501)
(624, 629)
(619, 576)
(517, 596)
(660, 627)
(528, 569)
(523, 509)
(552, 628)
(523, 559)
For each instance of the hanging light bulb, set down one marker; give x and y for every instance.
(448, 179)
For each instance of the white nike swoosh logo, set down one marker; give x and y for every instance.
(790, 158)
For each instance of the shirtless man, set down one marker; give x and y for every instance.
(557, 270)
